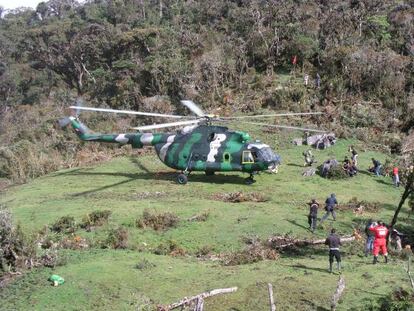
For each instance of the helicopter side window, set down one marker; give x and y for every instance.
(247, 157)
(226, 157)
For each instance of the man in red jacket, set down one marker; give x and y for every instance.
(380, 243)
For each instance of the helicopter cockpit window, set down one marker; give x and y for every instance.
(247, 157)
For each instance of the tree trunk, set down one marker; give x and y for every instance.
(406, 194)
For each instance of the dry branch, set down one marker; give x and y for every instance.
(271, 299)
(198, 298)
(338, 293)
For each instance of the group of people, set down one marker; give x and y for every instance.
(376, 232)
(330, 205)
(350, 165)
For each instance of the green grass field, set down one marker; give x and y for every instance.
(106, 279)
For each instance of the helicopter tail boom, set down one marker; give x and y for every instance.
(137, 140)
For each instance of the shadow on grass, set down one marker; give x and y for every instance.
(294, 222)
(303, 267)
(314, 306)
(167, 176)
(293, 164)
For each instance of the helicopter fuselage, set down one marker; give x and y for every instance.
(196, 148)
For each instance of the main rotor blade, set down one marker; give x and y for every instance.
(130, 112)
(193, 107)
(163, 125)
(285, 127)
(274, 115)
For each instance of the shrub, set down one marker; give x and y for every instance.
(118, 238)
(399, 300)
(170, 248)
(16, 250)
(161, 221)
(65, 224)
(95, 219)
(337, 172)
(144, 264)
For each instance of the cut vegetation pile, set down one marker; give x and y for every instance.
(161, 221)
(237, 197)
(360, 207)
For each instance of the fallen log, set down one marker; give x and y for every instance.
(271, 299)
(281, 242)
(338, 293)
(199, 299)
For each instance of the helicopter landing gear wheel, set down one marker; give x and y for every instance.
(182, 179)
(249, 180)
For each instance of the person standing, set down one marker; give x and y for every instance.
(330, 205)
(354, 155)
(380, 244)
(369, 246)
(395, 176)
(333, 241)
(377, 167)
(313, 214)
(309, 158)
(318, 81)
(306, 79)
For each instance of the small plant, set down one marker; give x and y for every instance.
(65, 224)
(118, 238)
(399, 300)
(144, 265)
(161, 221)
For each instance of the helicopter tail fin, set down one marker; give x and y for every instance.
(80, 129)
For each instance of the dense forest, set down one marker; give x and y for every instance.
(240, 56)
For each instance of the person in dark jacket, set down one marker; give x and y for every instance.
(330, 205)
(333, 241)
(377, 167)
(313, 214)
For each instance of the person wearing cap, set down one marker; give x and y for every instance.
(313, 214)
(333, 241)
(380, 244)
(330, 205)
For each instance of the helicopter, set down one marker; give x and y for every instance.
(198, 146)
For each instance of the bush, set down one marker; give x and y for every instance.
(65, 224)
(399, 300)
(337, 172)
(118, 238)
(161, 221)
(170, 248)
(144, 264)
(16, 251)
(95, 219)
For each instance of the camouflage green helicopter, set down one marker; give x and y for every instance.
(197, 146)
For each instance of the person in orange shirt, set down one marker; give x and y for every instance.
(380, 244)
(395, 176)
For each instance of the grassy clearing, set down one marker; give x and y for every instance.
(108, 279)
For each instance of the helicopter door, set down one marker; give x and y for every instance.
(247, 157)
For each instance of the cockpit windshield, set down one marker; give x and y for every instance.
(265, 154)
